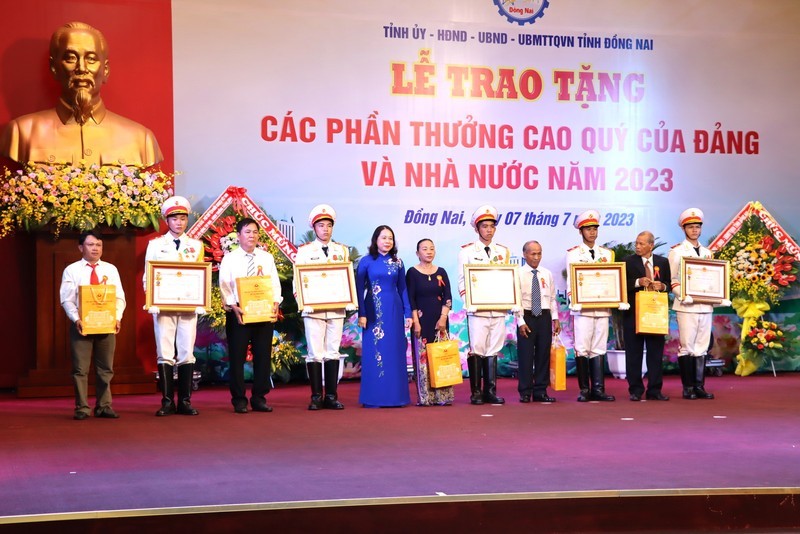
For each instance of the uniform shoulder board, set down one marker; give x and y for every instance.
(603, 248)
(573, 248)
(305, 244)
(501, 246)
(466, 245)
(676, 245)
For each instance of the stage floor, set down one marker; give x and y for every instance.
(748, 437)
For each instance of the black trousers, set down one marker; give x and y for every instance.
(259, 335)
(533, 354)
(634, 347)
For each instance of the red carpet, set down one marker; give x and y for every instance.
(748, 437)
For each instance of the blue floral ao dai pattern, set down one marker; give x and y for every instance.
(382, 299)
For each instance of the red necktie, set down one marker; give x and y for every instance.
(93, 279)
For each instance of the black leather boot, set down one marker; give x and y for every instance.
(597, 372)
(474, 366)
(700, 378)
(315, 379)
(687, 377)
(167, 390)
(582, 370)
(331, 381)
(490, 381)
(185, 375)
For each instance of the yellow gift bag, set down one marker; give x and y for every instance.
(652, 313)
(444, 362)
(97, 308)
(558, 364)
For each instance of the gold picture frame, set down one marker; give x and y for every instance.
(492, 287)
(325, 286)
(598, 285)
(178, 286)
(705, 280)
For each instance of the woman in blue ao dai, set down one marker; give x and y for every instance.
(384, 315)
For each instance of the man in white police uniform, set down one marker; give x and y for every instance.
(694, 319)
(590, 326)
(487, 329)
(323, 328)
(175, 329)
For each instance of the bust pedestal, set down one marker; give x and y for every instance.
(51, 374)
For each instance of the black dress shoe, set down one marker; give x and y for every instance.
(260, 407)
(106, 413)
(635, 397)
(240, 409)
(657, 396)
(525, 398)
(80, 416)
(543, 398)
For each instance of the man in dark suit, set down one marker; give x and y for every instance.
(644, 271)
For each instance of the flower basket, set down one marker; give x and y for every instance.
(81, 197)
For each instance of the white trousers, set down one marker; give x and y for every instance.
(487, 335)
(591, 335)
(173, 329)
(694, 332)
(323, 337)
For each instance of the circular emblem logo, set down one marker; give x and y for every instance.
(522, 11)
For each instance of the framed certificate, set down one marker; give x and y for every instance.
(491, 287)
(598, 285)
(325, 286)
(705, 280)
(178, 286)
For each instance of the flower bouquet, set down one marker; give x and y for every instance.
(766, 339)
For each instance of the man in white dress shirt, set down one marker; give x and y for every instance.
(487, 329)
(536, 324)
(245, 261)
(694, 318)
(175, 328)
(90, 270)
(323, 328)
(590, 326)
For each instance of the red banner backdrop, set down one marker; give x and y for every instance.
(139, 35)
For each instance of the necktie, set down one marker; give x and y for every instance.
(697, 250)
(488, 252)
(648, 272)
(251, 265)
(536, 294)
(591, 252)
(93, 279)
(177, 243)
(325, 250)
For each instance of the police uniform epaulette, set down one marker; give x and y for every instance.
(573, 248)
(603, 248)
(676, 245)
(305, 244)
(499, 245)
(467, 245)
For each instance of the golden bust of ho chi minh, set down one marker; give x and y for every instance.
(79, 127)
